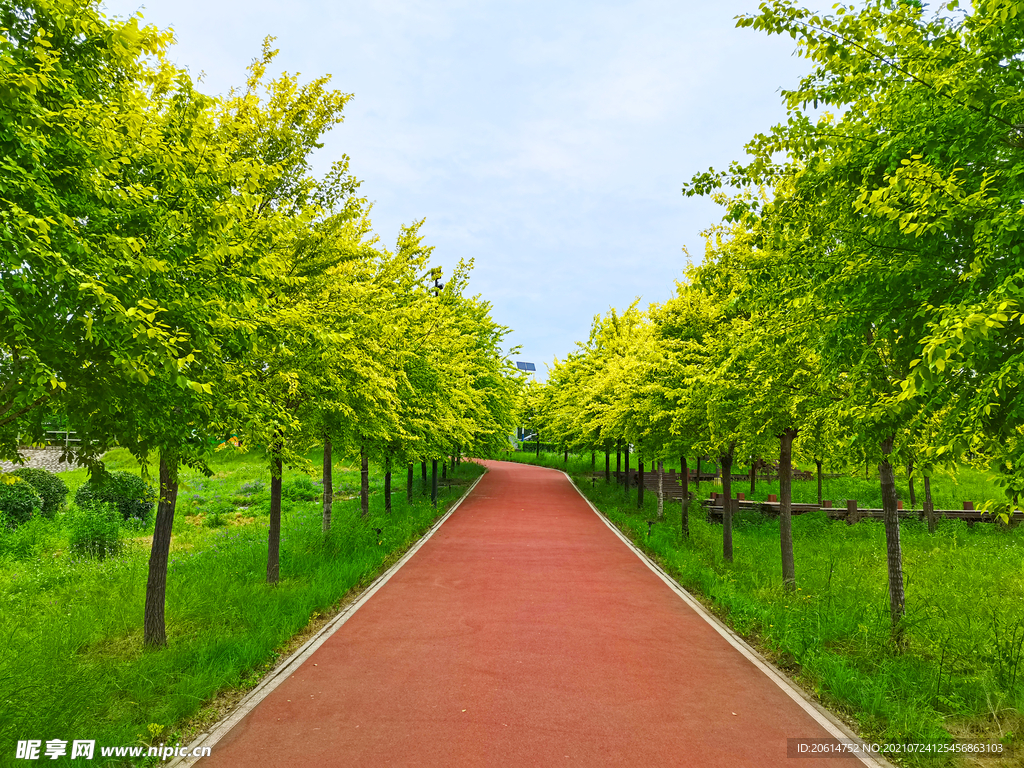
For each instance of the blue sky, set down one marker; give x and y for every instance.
(547, 141)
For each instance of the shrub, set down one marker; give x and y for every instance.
(125, 491)
(19, 501)
(95, 531)
(50, 488)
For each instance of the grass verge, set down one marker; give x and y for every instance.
(72, 664)
(961, 674)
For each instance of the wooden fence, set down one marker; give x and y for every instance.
(850, 511)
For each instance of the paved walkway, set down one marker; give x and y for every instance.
(523, 633)
(40, 458)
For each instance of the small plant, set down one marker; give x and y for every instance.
(35, 538)
(302, 488)
(52, 490)
(19, 501)
(95, 531)
(251, 488)
(127, 492)
(218, 513)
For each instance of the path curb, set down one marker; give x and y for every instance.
(836, 727)
(287, 667)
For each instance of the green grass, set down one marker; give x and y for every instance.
(71, 659)
(962, 672)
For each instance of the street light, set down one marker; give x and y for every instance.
(529, 368)
(438, 287)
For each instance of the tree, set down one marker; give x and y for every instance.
(218, 226)
(927, 154)
(886, 230)
(80, 94)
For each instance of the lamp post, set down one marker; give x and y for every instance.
(438, 287)
(532, 370)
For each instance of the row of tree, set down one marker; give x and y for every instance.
(173, 275)
(864, 292)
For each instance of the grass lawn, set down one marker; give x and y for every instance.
(72, 664)
(962, 672)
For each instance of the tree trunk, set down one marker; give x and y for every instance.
(725, 466)
(618, 462)
(685, 520)
(910, 482)
(433, 482)
(328, 485)
(929, 506)
(661, 488)
(444, 469)
(786, 508)
(274, 534)
(154, 633)
(364, 482)
(894, 553)
(753, 477)
(387, 484)
(607, 464)
(408, 484)
(626, 452)
(818, 463)
(640, 484)
(696, 480)
(538, 444)
(423, 472)
(566, 457)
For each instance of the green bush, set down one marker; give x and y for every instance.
(19, 501)
(51, 488)
(125, 491)
(95, 531)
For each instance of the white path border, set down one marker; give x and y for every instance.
(823, 717)
(293, 662)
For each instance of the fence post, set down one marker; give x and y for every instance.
(852, 516)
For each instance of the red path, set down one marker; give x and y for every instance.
(523, 633)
